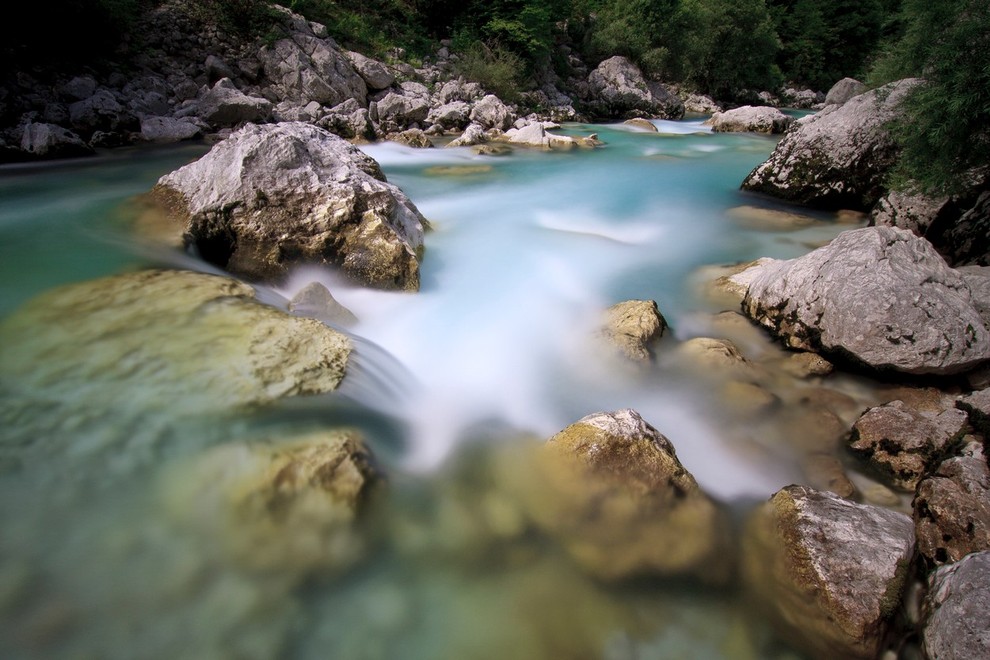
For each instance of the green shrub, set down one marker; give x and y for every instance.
(498, 70)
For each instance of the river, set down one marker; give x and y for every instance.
(497, 349)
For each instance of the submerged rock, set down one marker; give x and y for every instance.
(837, 158)
(631, 326)
(315, 301)
(271, 197)
(903, 443)
(642, 124)
(748, 118)
(878, 296)
(830, 572)
(956, 624)
(952, 508)
(285, 508)
(610, 489)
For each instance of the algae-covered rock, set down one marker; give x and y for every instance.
(632, 326)
(611, 490)
(286, 508)
(271, 197)
(829, 572)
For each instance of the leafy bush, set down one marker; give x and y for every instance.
(498, 70)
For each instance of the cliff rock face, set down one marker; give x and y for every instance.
(830, 571)
(879, 296)
(837, 158)
(273, 196)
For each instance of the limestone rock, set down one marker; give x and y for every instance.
(304, 68)
(99, 112)
(801, 98)
(748, 118)
(315, 301)
(51, 141)
(642, 124)
(807, 365)
(611, 490)
(537, 135)
(412, 137)
(273, 196)
(956, 624)
(844, 90)
(977, 407)
(177, 341)
(700, 104)
(224, 105)
(903, 443)
(915, 212)
(78, 88)
(459, 90)
(282, 508)
(396, 112)
(472, 135)
(952, 508)
(168, 129)
(837, 158)
(968, 241)
(717, 357)
(450, 116)
(831, 572)
(878, 296)
(490, 112)
(375, 74)
(618, 89)
(631, 326)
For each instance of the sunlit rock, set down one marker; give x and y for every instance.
(642, 124)
(630, 327)
(952, 508)
(956, 625)
(287, 508)
(271, 197)
(837, 158)
(829, 572)
(611, 490)
(490, 112)
(752, 119)
(903, 443)
(538, 135)
(880, 297)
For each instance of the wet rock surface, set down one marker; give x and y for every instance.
(632, 326)
(831, 572)
(754, 119)
(270, 197)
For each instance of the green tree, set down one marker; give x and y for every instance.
(945, 130)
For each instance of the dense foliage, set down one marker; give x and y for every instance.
(946, 130)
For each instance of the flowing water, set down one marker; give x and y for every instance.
(496, 350)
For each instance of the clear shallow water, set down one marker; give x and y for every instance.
(526, 252)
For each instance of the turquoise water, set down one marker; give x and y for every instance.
(527, 250)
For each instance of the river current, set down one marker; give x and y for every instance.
(498, 347)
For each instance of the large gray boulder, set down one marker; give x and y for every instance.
(956, 624)
(952, 508)
(880, 297)
(51, 141)
(99, 112)
(830, 572)
(748, 118)
(903, 443)
(304, 68)
(611, 490)
(913, 211)
(168, 129)
(844, 90)
(837, 158)
(223, 105)
(397, 112)
(270, 197)
(490, 112)
(375, 74)
(618, 89)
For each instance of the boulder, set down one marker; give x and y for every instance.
(315, 301)
(956, 625)
(78, 88)
(829, 572)
(168, 129)
(375, 74)
(273, 196)
(306, 68)
(412, 137)
(474, 134)
(879, 297)
(618, 89)
(99, 112)
(611, 490)
(450, 116)
(801, 98)
(642, 124)
(490, 112)
(458, 90)
(700, 104)
(977, 407)
(216, 69)
(952, 508)
(844, 90)
(838, 158)
(748, 118)
(51, 141)
(397, 112)
(915, 212)
(275, 507)
(537, 135)
(968, 241)
(632, 326)
(902, 443)
(350, 121)
(223, 105)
